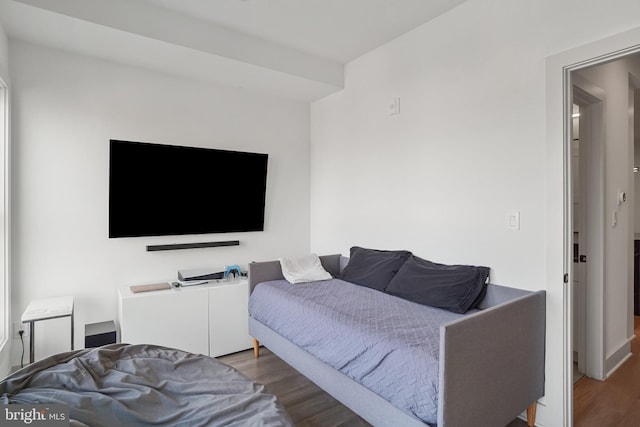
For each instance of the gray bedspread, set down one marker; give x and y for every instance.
(385, 343)
(142, 385)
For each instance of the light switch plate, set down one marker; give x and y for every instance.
(394, 106)
(513, 220)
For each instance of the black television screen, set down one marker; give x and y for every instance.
(161, 190)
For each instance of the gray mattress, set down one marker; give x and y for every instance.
(387, 344)
(142, 385)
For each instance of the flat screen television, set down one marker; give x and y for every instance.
(162, 190)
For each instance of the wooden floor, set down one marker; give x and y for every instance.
(614, 402)
(306, 403)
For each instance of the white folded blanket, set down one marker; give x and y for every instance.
(303, 269)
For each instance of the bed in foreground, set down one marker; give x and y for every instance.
(395, 362)
(141, 385)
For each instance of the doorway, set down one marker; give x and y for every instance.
(602, 215)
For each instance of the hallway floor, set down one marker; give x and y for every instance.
(614, 402)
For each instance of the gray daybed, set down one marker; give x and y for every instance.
(489, 362)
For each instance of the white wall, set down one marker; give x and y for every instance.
(468, 147)
(5, 348)
(66, 107)
(4, 50)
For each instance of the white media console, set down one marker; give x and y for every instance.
(210, 319)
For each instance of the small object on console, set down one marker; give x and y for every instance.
(200, 274)
(232, 270)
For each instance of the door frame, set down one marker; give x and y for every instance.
(592, 219)
(595, 53)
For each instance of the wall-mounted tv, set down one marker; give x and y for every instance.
(162, 190)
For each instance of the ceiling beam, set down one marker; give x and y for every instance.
(153, 37)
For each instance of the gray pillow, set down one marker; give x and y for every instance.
(373, 268)
(456, 288)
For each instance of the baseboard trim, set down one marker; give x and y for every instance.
(618, 357)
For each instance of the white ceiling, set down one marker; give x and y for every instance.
(338, 30)
(290, 48)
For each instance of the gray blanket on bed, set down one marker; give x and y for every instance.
(142, 385)
(385, 343)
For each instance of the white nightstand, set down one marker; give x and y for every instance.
(45, 309)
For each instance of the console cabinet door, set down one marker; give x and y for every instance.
(229, 318)
(176, 319)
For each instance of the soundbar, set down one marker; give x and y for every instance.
(175, 246)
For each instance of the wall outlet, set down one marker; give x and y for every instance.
(17, 327)
(394, 106)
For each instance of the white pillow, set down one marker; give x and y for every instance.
(303, 269)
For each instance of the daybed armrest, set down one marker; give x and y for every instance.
(264, 271)
(271, 270)
(497, 294)
(492, 363)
